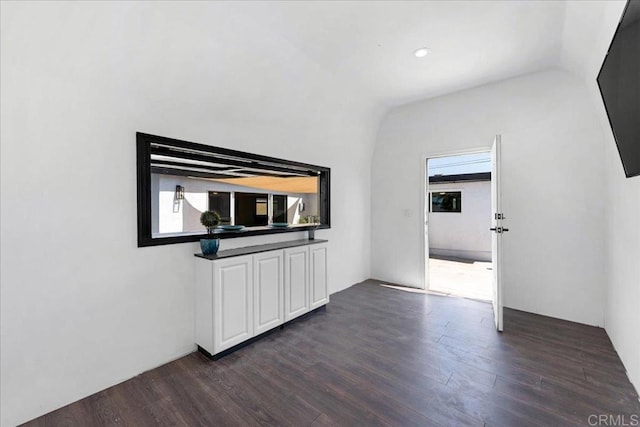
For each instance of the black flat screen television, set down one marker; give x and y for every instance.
(619, 83)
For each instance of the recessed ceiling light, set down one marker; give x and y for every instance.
(422, 52)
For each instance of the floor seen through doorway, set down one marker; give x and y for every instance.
(460, 277)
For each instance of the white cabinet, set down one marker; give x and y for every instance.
(241, 296)
(268, 289)
(296, 282)
(318, 290)
(305, 279)
(224, 302)
(232, 302)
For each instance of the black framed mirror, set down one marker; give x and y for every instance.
(253, 194)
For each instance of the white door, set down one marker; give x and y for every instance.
(268, 288)
(232, 301)
(498, 230)
(318, 275)
(296, 282)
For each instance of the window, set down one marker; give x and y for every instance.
(220, 201)
(446, 201)
(280, 204)
(251, 209)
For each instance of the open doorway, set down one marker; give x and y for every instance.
(459, 215)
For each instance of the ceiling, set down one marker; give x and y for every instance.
(298, 184)
(371, 44)
(325, 65)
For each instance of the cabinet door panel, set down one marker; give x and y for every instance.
(318, 266)
(296, 279)
(268, 285)
(233, 302)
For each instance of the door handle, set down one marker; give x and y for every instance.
(499, 229)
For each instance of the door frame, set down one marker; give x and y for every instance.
(423, 200)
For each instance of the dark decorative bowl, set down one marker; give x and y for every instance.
(280, 224)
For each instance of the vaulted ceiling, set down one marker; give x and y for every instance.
(296, 69)
(369, 45)
(304, 64)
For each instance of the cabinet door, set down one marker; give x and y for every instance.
(318, 292)
(232, 301)
(296, 282)
(268, 289)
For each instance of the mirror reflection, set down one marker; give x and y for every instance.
(246, 193)
(250, 201)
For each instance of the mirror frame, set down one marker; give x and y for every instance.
(143, 170)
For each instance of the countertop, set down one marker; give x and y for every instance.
(247, 250)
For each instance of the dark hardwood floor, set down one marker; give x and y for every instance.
(380, 356)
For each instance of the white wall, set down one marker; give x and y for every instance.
(308, 200)
(585, 52)
(622, 284)
(622, 252)
(82, 308)
(552, 176)
(463, 234)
